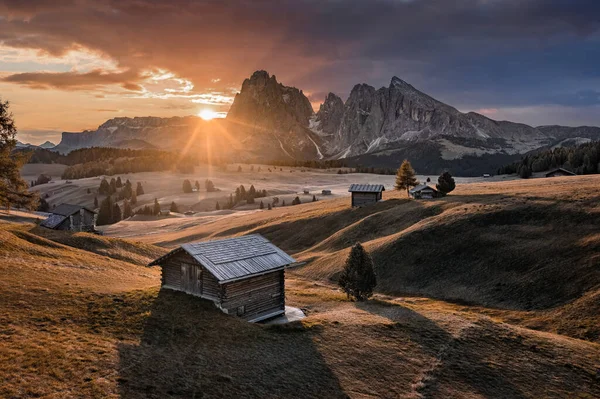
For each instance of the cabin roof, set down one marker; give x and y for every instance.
(53, 221)
(235, 258)
(561, 170)
(421, 187)
(366, 188)
(68, 209)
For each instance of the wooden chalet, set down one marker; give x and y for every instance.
(423, 191)
(560, 172)
(72, 218)
(366, 194)
(243, 276)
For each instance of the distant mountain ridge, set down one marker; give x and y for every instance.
(271, 121)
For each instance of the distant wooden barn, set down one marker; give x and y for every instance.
(243, 276)
(560, 172)
(72, 218)
(366, 194)
(423, 191)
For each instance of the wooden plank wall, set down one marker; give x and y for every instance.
(360, 199)
(258, 295)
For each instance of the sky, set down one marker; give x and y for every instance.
(69, 65)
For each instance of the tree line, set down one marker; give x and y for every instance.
(582, 159)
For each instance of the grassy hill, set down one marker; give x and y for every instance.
(524, 245)
(81, 318)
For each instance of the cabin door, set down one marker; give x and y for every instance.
(191, 278)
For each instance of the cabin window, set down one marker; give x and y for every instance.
(241, 310)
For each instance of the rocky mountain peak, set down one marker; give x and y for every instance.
(330, 114)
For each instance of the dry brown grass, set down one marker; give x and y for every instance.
(80, 318)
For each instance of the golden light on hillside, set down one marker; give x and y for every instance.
(208, 114)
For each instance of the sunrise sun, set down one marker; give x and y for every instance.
(208, 114)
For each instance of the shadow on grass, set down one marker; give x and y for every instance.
(190, 349)
(459, 363)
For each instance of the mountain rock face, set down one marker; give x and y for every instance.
(274, 118)
(375, 127)
(138, 133)
(378, 119)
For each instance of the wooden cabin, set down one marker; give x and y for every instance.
(423, 191)
(366, 194)
(72, 218)
(560, 172)
(243, 276)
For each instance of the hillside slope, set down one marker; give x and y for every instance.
(77, 324)
(520, 245)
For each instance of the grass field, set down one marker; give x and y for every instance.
(490, 292)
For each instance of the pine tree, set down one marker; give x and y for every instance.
(14, 191)
(127, 211)
(525, 172)
(252, 191)
(156, 208)
(119, 183)
(218, 207)
(95, 202)
(174, 207)
(113, 186)
(243, 194)
(187, 186)
(296, 201)
(283, 203)
(105, 215)
(133, 199)
(405, 177)
(209, 185)
(116, 213)
(358, 278)
(104, 188)
(269, 207)
(197, 185)
(261, 206)
(314, 198)
(445, 183)
(139, 190)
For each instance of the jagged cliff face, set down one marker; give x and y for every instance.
(270, 121)
(376, 119)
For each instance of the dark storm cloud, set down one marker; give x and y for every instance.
(475, 53)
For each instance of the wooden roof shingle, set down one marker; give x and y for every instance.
(235, 258)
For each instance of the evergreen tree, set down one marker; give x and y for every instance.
(113, 186)
(230, 204)
(156, 209)
(14, 191)
(105, 215)
(139, 190)
(405, 177)
(174, 207)
(296, 201)
(127, 191)
(218, 207)
(43, 206)
(358, 278)
(187, 186)
(283, 203)
(104, 187)
(252, 191)
(243, 194)
(95, 202)
(127, 211)
(209, 185)
(525, 172)
(116, 213)
(197, 185)
(261, 206)
(119, 183)
(250, 199)
(269, 207)
(445, 183)
(314, 198)
(133, 199)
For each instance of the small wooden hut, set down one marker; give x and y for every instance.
(72, 218)
(423, 191)
(560, 172)
(243, 276)
(366, 194)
